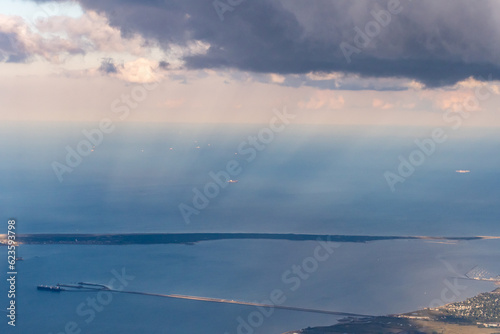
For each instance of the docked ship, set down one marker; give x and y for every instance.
(50, 288)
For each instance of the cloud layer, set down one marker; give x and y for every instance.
(18, 42)
(434, 42)
(58, 36)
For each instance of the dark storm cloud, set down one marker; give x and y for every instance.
(435, 42)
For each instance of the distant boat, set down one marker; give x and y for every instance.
(49, 288)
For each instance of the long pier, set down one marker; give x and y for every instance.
(85, 286)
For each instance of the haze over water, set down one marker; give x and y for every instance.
(308, 180)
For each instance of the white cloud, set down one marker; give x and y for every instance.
(323, 100)
(381, 104)
(58, 36)
(319, 76)
(140, 70)
(92, 32)
(54, 37)
(24, 43)
(276, 78)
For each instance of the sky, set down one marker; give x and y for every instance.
(390, 63)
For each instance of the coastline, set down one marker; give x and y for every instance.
(191, 238)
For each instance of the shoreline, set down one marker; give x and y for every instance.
(191, 238)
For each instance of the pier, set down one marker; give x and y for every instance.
(86, 286)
